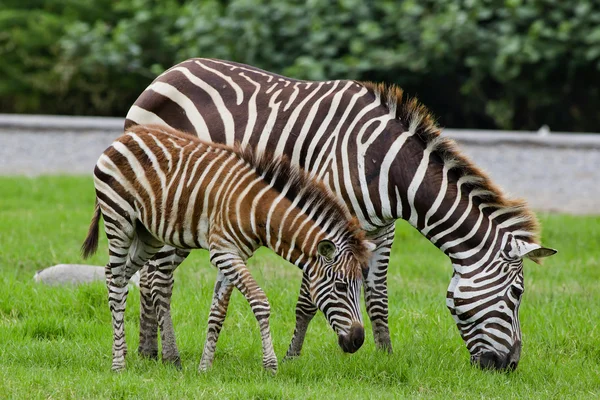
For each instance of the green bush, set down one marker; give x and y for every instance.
(512, 64)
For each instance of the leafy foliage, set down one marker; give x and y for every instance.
(515, 64)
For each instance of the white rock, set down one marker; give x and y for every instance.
(74, 274)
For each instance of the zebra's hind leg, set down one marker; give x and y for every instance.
(216, 317)
(305, 311)
(161, 282)
(235, 270)
(127, 256)
(375, 285)
(148, 321)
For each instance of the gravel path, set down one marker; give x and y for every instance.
(551, 178)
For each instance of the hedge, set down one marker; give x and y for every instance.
(511, 64)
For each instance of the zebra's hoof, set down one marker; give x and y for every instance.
(176, 362)
(149, 354)
(386, 348)
(290, 357)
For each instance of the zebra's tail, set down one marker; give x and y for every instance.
(90, 245)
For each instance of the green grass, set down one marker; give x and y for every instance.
(56, 342)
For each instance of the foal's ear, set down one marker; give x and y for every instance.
(370, 245)
(327, 249)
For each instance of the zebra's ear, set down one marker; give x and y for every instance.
(327, 249)
(532, 251)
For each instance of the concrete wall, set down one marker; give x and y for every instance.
(554, 172)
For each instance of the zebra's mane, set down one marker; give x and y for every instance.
(414, 115)
(282, 173)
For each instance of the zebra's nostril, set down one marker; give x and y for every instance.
(358, 337)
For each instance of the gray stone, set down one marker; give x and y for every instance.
(74, 274)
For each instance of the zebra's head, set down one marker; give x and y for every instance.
(335, 287)
(484, 301)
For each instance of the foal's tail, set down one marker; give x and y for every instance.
(90, 245)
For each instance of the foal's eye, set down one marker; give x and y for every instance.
(341, 286)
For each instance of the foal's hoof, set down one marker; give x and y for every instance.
(271, 371)
(203, 368)
(270, 366)
(118, 368)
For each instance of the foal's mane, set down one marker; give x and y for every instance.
(414, 115)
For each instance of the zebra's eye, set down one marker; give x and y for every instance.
(341, 286)
(517, 292)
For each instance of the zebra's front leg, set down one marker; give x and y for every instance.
(148, 321)
(235, 270)
(305, 311)
(375, 285)
(216, 317)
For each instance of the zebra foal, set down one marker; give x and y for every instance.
(157, 186)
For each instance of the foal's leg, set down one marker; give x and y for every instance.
(156, 287)
(117, 297)
(148, 321)
(127, 256)
(216, 317)
(305, 311)
(161, 282)
(234, 269)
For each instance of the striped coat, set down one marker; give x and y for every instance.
(157, 186)
(384, 156)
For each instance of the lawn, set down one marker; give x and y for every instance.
(56, 342)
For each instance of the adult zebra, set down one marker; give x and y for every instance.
(157, 186)
(384, 157)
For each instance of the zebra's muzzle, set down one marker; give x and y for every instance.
(353, 340)
(500, 362)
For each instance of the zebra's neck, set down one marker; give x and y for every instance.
(453, 203)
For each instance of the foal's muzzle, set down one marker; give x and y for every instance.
(353, 339)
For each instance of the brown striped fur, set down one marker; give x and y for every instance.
(298, 180)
